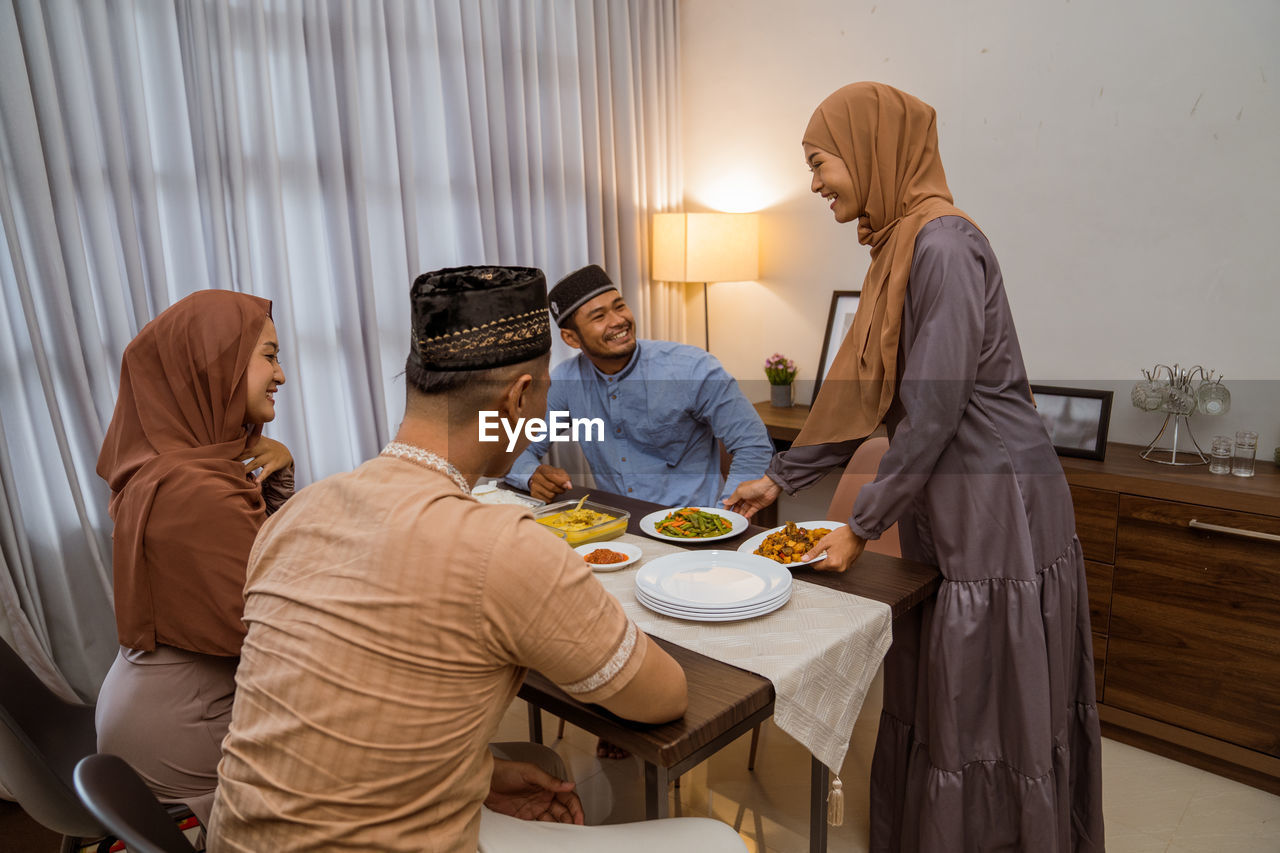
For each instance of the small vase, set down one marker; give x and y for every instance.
(781, 396)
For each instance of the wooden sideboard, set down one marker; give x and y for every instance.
(1184, 593)
(1183, 569)
(783, 424)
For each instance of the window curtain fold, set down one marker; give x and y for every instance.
(318, 154)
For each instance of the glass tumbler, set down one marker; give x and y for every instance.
(1245, 451)
(1220, 455)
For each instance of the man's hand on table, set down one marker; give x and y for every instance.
(751, 496)
(527, 792)
(547, 482)
(842, 545)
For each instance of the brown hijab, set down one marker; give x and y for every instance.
(889, 142)
(184, 508)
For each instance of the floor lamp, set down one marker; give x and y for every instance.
(706, 247)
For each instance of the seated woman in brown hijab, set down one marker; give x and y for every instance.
(180, 456)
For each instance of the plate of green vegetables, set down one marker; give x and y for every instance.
(693, 524)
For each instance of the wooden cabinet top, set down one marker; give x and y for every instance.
(783, 424)
(1125, 471)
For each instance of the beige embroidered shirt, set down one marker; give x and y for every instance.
(390, 621)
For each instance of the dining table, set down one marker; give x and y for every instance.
(725, 701)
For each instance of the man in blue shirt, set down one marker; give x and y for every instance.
(665, 407)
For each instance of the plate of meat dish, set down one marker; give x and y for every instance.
(788, 543)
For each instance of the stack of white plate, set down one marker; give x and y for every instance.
(713, 586)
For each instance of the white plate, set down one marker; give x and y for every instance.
(750, 546)
(489, 493)
(633, 553)
(785, 592)
(693, 609)
(713, 616)
(739, 523)
(712, 580)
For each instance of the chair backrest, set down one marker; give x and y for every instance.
(861, 470)
(118, 797)
(41, 739)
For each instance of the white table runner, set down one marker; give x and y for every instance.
(821, 650)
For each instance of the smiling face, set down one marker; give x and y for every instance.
(832, 181)
(263, 377)
(605, 330)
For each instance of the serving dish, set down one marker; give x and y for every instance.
(615, 525)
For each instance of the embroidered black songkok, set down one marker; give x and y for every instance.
(576, 289)
(476, 318)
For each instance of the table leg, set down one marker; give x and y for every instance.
(819, 779)
(655, 791)
(535, 723)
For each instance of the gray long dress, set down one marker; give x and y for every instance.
(989, 739)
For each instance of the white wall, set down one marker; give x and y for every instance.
(1123, 158)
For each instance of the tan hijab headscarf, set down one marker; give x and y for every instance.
(185, 511)
(889, 142)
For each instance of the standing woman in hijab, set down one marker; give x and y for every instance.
(180, 456)
(989, 739)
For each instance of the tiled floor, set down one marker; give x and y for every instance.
(1152, 804)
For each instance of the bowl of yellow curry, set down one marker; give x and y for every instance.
(583, 520)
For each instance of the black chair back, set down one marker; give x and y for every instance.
(118, 797)
(41, 739)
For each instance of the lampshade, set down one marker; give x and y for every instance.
(705, 247)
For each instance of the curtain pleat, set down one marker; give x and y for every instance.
(319, 154)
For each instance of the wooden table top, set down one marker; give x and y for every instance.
(722, 696)
(899, 583)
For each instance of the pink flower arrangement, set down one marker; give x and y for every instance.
(780, 369)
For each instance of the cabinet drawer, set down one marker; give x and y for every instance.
(1194, 635)
(1098, 577)
(1096, 522)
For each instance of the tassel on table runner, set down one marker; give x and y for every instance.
(835, 802)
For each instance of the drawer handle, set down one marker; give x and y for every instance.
(1233, 531)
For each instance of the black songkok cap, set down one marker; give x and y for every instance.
(475, 318)
(576, 289)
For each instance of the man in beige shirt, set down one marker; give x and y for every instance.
(391, 619)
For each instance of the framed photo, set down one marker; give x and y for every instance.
(1077, 419)
(844, 304)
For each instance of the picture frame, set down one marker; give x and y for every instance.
(844, 304)
(1077, 419)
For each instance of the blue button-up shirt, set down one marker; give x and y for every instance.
(662, 415)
